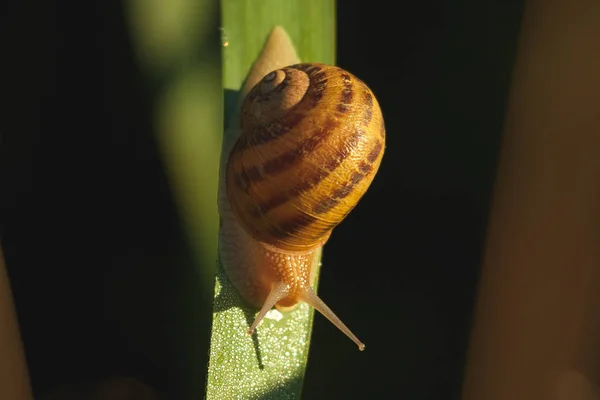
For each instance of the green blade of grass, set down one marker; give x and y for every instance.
(271, 363)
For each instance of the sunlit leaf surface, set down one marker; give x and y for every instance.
(269, 364)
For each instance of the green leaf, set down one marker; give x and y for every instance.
(271, 363)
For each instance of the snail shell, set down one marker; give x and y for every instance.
(312, 141)
(313, 138)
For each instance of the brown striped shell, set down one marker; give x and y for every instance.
(312, 140)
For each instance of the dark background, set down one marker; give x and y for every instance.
(84, 197)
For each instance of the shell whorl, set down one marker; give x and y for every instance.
(312, 140)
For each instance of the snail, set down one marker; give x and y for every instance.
(312, 139)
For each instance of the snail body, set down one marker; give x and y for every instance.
(312, 139)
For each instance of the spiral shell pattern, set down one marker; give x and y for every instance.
(312, 141)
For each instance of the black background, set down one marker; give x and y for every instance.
(83, 196)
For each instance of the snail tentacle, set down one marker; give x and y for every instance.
(312, 299)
